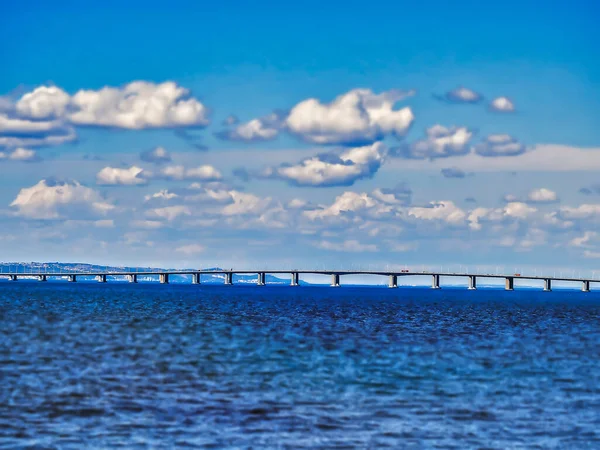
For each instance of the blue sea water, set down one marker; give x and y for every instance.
(145, 366)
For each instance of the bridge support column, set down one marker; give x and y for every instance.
(72, 278)
(295, 279)
(435, 284)
(13, 278)
(101, 278)
(335, 280)
(42, 278)
(509, 284)
(196, 278)
(393, 283)
(261, 279)
(164, 278)
(547, 284)
(586, 286)
(132, 278)
(472, 282)
(228, 278)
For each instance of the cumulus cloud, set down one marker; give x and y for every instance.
(244, 203)
(582, 212)
(138, 105)
(200, 173)
(461, 95)
(499, 145)
(511, 212)
(332, 169)
(257, 130)
(401, 194)
(542, 195)
(502, 104)
(157, 155)
(53, 200)
(44, 102)
(453, 172)
(442, 211)
(112, 176)
(358, 117)
(20, 154)
(441, 142)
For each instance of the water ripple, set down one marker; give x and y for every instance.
(211, 367)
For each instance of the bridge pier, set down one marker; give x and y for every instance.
(228, 278)
(261, 279)
(435, 282)
(472, 282)
(196, 278)
(101, 278)
(335, 280)
(586, 286)
(509, 284)
(163, 278)
(295, 279)
(393, 283)
(42, 278)
(72, 278)
(547, 284)
(132, 278)
(13, 278)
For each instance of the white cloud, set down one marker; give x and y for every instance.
(115, 176)
(441, 142)
(53, 200)
(138, 105)
(499, 145)
(161, 195)
(256, 130)
(586, 240)
(169, 213)
(355, 118)
(330, 169)
(201, 173)
(20, 154)
(542, 195)
(444, 211)
(244, 203)
(502, 104)
(20, 132)
(43, 102)
(581, 212)
(157, 156)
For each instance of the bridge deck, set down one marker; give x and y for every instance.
(300, 272)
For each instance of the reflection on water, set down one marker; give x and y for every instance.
(245, 367)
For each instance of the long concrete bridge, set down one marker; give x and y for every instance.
(162, 276)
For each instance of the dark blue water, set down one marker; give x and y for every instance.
(109, 366)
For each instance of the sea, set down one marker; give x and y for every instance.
(147, 366)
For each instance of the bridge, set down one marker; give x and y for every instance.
(162, 276)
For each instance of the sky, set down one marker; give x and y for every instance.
(304, 135)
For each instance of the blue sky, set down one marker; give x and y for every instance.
(387, 133)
